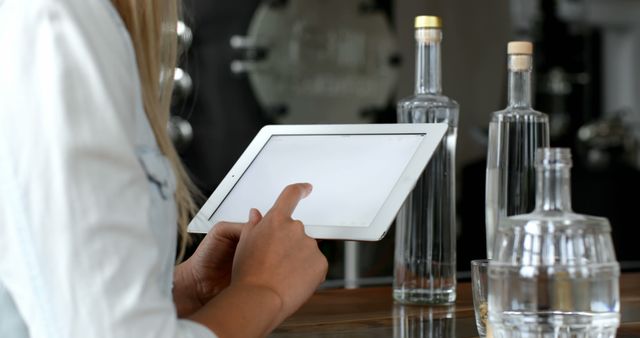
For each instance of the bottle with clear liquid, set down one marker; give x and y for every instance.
(425, 251)
(554, 272)
(514, 135)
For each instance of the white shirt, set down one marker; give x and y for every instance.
(87, 216)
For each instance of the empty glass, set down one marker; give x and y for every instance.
(480, 293)
(554, 272)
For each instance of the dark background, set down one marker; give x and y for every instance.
(225, 114)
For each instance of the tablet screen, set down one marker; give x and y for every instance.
(352, 175)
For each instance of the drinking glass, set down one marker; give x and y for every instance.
(480, 293)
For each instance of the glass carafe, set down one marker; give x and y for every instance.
(554, 272)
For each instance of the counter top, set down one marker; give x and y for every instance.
(371, 312)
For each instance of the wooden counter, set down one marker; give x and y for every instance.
(371, 312)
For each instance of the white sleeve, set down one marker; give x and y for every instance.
(77, 252)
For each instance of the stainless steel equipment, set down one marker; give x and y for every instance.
(179, 129)
(311, 62)
(619, 21)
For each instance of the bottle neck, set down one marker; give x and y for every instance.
(428, 73)
(520, 81)
(554, 189)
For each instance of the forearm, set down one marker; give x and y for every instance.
(241, 311)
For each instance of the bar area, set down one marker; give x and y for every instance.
(320, 168)
(543, 130)
(369, 312)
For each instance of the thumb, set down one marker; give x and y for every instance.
(254, 216)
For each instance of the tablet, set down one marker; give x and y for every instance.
(361, 175)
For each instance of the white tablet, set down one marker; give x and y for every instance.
(361, 175)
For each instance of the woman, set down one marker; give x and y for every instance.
(89, 199)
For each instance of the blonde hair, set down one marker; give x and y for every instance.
(152, 26)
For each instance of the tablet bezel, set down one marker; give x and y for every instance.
(434, 133)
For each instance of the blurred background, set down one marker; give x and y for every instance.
(248, 63)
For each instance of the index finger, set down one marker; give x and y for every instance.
(290, 196)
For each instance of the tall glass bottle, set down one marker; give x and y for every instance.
(514, 135)
(554, 272)
(425, 252)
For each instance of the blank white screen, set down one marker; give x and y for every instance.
(352, 175)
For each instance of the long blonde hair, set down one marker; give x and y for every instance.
(152, 26)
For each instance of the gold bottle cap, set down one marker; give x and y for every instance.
(520, 47)
(427, 21)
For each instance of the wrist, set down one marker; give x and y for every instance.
(228, 313)
(269, 297)
(184, 290)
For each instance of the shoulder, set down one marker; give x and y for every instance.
(80, 11)
(92, 24)
(75, 54)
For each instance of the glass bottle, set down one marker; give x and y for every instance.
(554, 272)
(425, 251)
(514, 135)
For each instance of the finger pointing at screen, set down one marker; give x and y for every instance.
(277, 255)
(289, 198)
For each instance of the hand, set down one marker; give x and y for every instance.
(276, 254)
(275, 270)
(208, 271)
